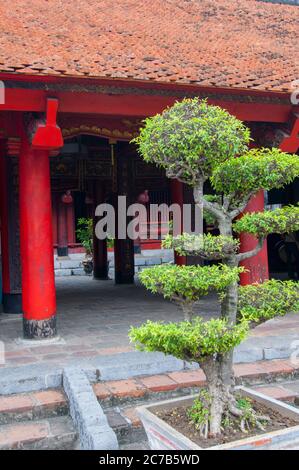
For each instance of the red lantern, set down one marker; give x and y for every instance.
(67, 197)
(143, 198)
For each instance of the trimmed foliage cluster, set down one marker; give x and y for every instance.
(260, 302)
(257, 169)
(207, 246)
(190, 341)
(191, 138)
(261, 224)
(188, 282)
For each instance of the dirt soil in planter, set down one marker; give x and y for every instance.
(178, 419)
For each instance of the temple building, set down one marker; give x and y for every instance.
(78, 78)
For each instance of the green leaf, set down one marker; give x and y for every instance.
(257, 169)
(260, 302)
(188, 283)
(261, 224)
(189, 340)
(207, 246)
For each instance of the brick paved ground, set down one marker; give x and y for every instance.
(94, 318)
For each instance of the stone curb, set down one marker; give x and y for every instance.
(87, 414)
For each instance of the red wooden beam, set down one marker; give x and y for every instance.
(48, 135)
(146, 100)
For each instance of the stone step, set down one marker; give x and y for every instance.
(143, 445)
(32, 406)
(285, 391)
(163, 386)
(126, 425)
(50, 434)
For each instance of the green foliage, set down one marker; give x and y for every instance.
(85, 234)
(249, 419)
(187, 282)
(191, 138)
(261, 224)
(260, 302)
(257, 169)
(206, 246)
(190, 341)
(199, 413)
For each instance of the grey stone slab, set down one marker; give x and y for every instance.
(29, 378)
(277, 352)
(153, 261)
(71, 263)
(122, 366)
(139, 261)
(248, 355)
(63, 272)
(78, 272)
(87, 414)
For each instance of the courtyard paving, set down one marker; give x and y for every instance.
(94, 318)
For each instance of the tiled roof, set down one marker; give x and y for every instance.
(223, 43)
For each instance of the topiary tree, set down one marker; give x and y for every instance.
(195, 142)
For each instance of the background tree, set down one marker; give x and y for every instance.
(195, 142)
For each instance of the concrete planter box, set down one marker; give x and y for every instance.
(162, 436)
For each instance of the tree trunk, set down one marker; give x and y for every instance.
(198, 199)
(219, 373)
(187, 311)
(229, 310)
(212, 370)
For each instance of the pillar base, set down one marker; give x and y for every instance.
(100, 272)
(62, 251)
(123, 278)
(12, 303)
(39, 329)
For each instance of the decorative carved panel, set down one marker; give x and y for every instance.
(14, 225)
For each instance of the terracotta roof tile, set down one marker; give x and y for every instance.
(228, 43)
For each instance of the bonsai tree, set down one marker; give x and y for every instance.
(195, 142)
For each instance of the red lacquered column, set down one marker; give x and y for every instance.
(36, 238)
(177, 197)
(4, 225)
(62, 235)
(100, 255)
(256, 266)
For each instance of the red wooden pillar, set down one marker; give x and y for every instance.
(256, 266)
(38, 286)
(177, 197)
(62, 230)
(4, 228)
(11, 279)
(100, 258)
(123, 246)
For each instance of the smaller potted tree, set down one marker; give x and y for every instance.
(85, 237)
